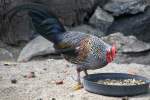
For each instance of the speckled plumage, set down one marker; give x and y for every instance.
(92, 50)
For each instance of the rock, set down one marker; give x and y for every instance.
(71, 12)
(53, 98)
(6, 63)
(87, 29)
(5, 55)
(130, 50)
(101, 3)
(119, 7)
(39, 99)
(137, 25)
(125, 98)
(13, 81)
(148, 2)
(18, 30)
(101, 19)
(138, 58)
(59, 82)
(31, 75)
(38, 46)
(127, 44)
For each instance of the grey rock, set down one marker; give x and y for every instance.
(139, 58)
(18, 30)
(101, 3)
(130, 49)
(137, 25)
(70, 12)
(101, 19)
(38, 46)
(127, 44)
(119, 7)
(5, 55)
(87, 29)
(148, 2)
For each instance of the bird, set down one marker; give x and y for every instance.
(87, 52)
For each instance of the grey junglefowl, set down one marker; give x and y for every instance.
(84, 50)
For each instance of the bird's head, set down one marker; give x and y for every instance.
(111, 54)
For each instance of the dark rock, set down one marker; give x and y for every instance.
(87, 29)
(137, 25)
(53, 98)
(119, 7)
(38, 46)
(101, 3)
(18, 30)
(39, 99)
(13, 80)
(148, 2)
(45, 69)
(71, 12)
(125, 98)
(101, 19)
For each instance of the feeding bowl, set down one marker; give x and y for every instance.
(91, 84)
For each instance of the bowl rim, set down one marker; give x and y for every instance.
(145, 79)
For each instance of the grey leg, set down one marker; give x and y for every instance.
(78, 75)
(85, 71)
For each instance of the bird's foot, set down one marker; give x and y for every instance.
(77, 87)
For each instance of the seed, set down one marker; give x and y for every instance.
(121, 82)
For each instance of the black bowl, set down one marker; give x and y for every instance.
(89, 83)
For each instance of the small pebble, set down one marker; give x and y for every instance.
(125, 98)
(59, 82)
(6, 64)
(14, 81)
(53, 98)
(39, 99)
(31, 75)
(67, 65)
(9, 64)
(71, 95)
(45, 69)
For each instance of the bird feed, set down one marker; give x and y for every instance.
(120, 82)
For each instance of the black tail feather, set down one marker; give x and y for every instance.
(45, 23)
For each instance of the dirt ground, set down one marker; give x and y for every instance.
(43, 86)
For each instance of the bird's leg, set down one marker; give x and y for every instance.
(79, 84)
(78, 75)
(86, 73)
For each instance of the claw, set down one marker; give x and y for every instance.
(77, 87)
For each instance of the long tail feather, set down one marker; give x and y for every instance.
(44, 22)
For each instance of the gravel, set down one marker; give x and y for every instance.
(44, 86)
